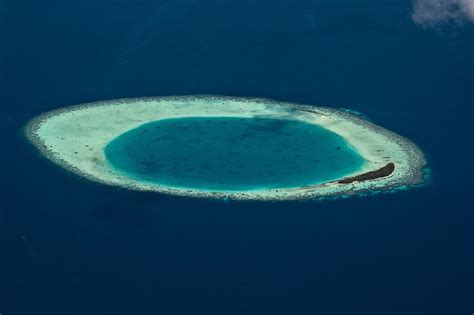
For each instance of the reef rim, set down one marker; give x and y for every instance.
(74, 137)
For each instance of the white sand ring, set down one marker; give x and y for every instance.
(75, 137)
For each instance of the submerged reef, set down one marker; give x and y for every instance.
(227, 147)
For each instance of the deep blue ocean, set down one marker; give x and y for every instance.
(69, 246)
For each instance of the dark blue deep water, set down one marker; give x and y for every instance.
(69, 246)
(231, 153)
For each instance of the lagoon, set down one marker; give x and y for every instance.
(231, 153)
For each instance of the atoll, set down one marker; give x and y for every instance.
(75, 138)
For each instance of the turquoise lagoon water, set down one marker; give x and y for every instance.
(231, 153)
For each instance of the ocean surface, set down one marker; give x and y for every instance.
(69, 246)
(231, 153)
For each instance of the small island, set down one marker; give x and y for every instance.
(381, 172)
(227, 147)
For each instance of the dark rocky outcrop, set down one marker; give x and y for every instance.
(381, 172)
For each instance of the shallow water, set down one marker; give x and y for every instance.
(231, 153)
